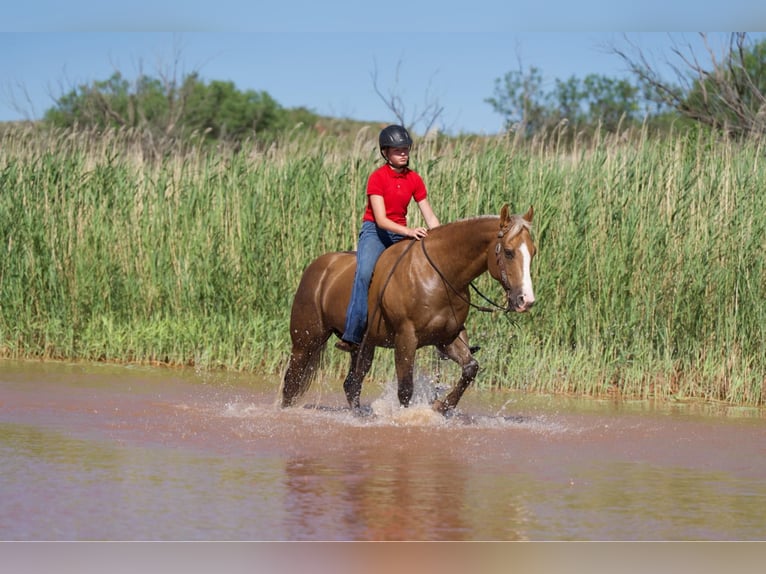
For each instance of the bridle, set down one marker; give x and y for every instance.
(494, 306)
(501, 260)
(501, 268)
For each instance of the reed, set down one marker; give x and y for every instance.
(650, 275)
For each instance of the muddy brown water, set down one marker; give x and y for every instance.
(109, 452)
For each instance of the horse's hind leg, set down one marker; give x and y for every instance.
(304, 361)
(460, 352)
(296, 377)
(361, 361)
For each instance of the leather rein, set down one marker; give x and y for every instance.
(500, 265)
(495, 307)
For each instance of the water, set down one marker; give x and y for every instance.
(108, 452)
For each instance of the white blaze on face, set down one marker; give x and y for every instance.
(526, 282)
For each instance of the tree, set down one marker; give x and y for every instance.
(166, 108)
(222, 112)
(593, 101)
(726, 93)
(610, 101)
(520, 99)
(393, 100)
(102, 104)
(569, 96)
(147, 103)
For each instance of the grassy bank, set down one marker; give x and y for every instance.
(650, 276)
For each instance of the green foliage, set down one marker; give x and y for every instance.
(610, 100)
(725, 91)
(594, 103)
(733, 95)
(729, 96)
(520, 99)
(214, 111)
(222, 112)
(650, 275)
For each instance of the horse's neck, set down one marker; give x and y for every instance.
(459, 249)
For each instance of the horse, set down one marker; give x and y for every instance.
(419, 296)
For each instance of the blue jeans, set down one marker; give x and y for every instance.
(372, 242)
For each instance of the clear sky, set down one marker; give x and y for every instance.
(323, 55)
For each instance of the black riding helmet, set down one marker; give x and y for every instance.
(393, 136)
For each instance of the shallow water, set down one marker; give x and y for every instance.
(107, 452)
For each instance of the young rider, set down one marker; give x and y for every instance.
(390, 188)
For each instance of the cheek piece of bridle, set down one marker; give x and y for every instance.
(500, 259)
(501, 262)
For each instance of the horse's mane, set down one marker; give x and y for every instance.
(516, 225)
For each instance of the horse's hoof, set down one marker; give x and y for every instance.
(440, 407)
(361, 412)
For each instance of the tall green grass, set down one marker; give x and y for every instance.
(650, 273)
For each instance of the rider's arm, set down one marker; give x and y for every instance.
(382, 220)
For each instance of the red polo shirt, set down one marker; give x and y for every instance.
(397, 190)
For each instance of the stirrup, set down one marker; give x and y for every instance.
(346, 346)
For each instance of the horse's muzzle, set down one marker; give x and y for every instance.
(519, 303)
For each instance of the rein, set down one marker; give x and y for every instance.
(383, 290)
(494, 306)
(503, 279)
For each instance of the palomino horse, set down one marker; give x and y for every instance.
(419, 296)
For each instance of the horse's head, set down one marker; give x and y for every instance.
(510, 258)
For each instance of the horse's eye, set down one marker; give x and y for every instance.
(509, 253)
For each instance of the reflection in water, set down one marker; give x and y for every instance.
(401, 496)
(394, 475)
(116, 453)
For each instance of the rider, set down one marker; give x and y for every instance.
(389, 191)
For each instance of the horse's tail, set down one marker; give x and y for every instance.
(310, 328)
(301, 372)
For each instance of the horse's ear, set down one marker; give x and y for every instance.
(529, 214)
(505, 216)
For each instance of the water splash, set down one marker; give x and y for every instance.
(419, 413)
(385, 411)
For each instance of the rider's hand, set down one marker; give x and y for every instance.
(419, 232)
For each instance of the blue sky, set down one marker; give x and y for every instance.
(322, 55)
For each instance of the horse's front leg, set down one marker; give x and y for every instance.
(459, 351)
(405, 346)
(361, 361)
